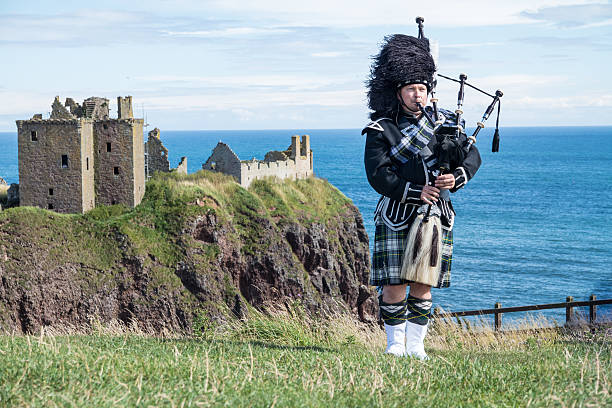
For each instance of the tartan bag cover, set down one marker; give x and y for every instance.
(389, 248)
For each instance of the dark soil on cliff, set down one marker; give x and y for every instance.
(198, 245)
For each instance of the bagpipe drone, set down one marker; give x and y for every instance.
(423, 253)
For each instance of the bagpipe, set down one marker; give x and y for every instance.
(423, 253)
(456, 130)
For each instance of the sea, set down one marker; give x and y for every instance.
(531, 226)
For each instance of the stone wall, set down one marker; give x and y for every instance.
(157, 154)
(58, 111)
(138, 166)
(294, 163)
(124, 107)
(182, 166)
(255, 169)
(75, 109)
(53, 164)
(119, 161)
(224, 160)
(88, 190)
(12, 195)
(95, 108)
(275, 155)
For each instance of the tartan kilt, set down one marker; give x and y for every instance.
(389, 248)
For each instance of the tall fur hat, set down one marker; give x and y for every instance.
(402, 60)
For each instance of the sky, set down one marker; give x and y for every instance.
(272, 64)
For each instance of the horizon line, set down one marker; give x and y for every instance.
(340, 128)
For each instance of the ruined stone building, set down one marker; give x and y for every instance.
(80, 157)
(293, 163)
(156, 156)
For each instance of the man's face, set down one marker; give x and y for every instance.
(411, 95)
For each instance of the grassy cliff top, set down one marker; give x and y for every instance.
(197, 244)
(170, 201)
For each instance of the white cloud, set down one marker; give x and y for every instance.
(567, 102)
(472, 45)
(596, 14)
(77, 27)
(603, 23)
(243, 115)
(254, 100)
(357, 13)
(522, 79)
(24, 104)
(292, 82)
(328, 54)
(513, 86)
(226, 32)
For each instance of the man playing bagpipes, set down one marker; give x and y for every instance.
(414, 155)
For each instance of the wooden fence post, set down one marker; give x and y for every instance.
(569, 311)
(498, 317)
(592, 310)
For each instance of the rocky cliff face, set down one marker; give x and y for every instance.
(198, 245)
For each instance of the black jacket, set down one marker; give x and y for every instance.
(404, 181)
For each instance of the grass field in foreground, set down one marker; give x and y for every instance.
(274, 362)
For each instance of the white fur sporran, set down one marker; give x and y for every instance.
(423, 254)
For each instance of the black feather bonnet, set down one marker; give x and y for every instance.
(402, 60)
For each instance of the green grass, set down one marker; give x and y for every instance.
(281, 360)
(285, 361)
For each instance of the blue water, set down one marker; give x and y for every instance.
(531, 227)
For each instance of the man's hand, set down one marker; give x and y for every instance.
(445, 181)
(430, 194)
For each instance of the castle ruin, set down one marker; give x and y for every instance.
(80, 157)
(293, 163)
(156, 156)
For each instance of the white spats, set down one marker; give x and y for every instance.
(396, 337)
(415, 335)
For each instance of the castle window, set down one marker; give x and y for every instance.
(113, 202)
(50, 206)
(116, 171)
(108, 147)
(34, 136)
(64, 161)
(87, 163)
(105, 126)
(50, 191)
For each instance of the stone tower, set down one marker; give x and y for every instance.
(124, 107)
(56, 161)
(295, 147)
(119, 149)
